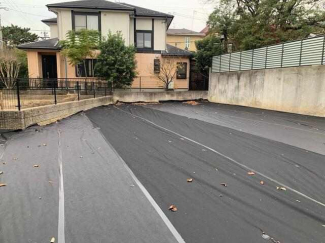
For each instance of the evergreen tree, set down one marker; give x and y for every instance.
(116, 62)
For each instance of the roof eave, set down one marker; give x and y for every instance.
(92, 8)
(176, 55)
(38, 48)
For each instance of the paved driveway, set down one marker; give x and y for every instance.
(111, 174)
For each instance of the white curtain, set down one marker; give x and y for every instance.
(92, 22)
(80, 22)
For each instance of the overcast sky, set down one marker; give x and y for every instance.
(190, 14)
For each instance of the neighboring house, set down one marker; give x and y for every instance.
(144, 28)
(205, 31)
(184, 38)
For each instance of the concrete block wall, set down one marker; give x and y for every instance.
(298, 90)
(15, 120)
(130, 97)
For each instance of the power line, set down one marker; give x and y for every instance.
(29, 13)
(12, 7)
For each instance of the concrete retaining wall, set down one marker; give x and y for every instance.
(123, 96)
(15, 120)
(297, 90)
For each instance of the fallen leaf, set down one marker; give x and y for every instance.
(1, 172)
(281, 188)
(262, 182)
(52, 240)
(15, 158)
(36, 166)
(172, 208)
(1, 185)
(190, 180)
(223, 184)
(266, 237)
(191, 103)
(251, 173)
(3, 163)
(44, 144)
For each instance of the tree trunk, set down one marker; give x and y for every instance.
(167, 86)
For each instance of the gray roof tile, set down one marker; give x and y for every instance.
(147, 12)
(50, 44)
(174, 51)
(184, 32)
(52, 20)
(90, 4)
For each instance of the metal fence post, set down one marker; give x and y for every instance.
(267, 49)
(54, 87)
(94, 90)
(301, 46)
(86, 88)
(229, 62)
(322, 62)
(78, 91)
(18, 94)
(252, 59)
(240, 60)
(282, 55)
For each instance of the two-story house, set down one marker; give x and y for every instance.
(183, 38)
(144, 28)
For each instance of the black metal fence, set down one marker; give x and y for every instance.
(27, 93)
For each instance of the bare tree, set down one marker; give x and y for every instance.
(9, 67)
(168, 71)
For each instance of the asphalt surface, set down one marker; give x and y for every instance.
(102, 202)
(164, 150)
(84, 191)
(305, 132)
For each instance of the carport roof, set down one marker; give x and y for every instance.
(50, 44)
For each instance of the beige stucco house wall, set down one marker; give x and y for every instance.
(116, 22)
(147, 77)
(64, 22)
(54, 31)
(183, 38)
(179, 41)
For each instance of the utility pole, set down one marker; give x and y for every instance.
(1, 37)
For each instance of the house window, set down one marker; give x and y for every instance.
(85, 21)
(157, 65)
(187, 42)
(86, 68)
(182, 70)
(144, 39)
